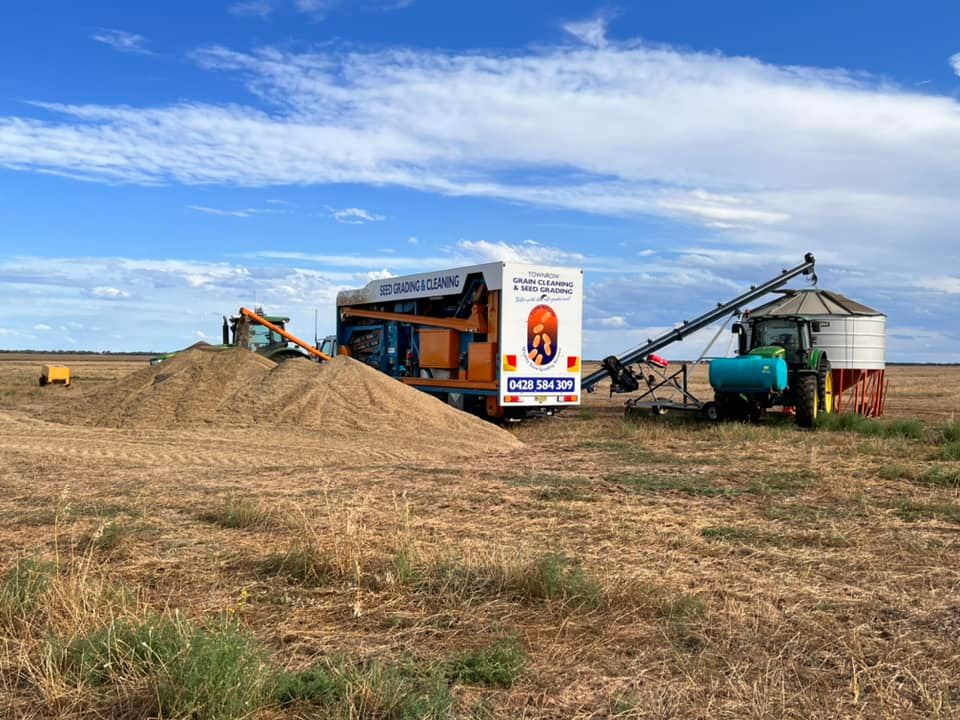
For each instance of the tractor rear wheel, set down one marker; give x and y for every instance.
(808, 402)
(825, 386)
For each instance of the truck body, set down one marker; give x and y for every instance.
(499, 339)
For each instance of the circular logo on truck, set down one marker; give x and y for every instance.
(541, 336)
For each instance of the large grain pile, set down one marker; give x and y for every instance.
(340, 402)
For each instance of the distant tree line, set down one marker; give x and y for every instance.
(81, 352)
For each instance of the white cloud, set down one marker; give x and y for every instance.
(122, 40)
(765, 161)
(721, 209)
(352, 261)
(111, 293)
(955, 62)
(464, 252)
(41, 327)
(172, 299)
(364, 278)
(592, 32)
(945, 284)
(412, 240)
(528, 252)
(355, 216)
(252, 8)
(245, 213)
(762, 154)
(316, 9)
(613, 321)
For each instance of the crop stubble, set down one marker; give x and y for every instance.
(814, 598)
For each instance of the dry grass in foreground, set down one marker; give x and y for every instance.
(609, 569)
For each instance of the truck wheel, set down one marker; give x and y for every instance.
(807, 400)
(42, 381)
(825, 386)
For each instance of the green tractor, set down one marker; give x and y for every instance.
(777, 364)
(245, 331)
(256, 332)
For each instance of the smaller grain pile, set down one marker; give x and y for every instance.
(339, 404)
(188, 389)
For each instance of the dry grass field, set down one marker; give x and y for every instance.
(609, 569)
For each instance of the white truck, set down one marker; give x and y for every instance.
(499, 339)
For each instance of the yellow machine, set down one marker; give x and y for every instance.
(54, 374)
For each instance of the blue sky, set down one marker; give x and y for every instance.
(164, 163)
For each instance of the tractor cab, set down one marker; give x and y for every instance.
(239, 331)
(793, 334)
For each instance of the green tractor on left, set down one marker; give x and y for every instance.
(256, 332)
(777, 365)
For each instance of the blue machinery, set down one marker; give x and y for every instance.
(625, 380)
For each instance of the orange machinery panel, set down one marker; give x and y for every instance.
(482, 361)
(439, 348)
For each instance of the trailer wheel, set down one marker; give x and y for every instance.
(808, 402)
(42, 381)
(711, 411)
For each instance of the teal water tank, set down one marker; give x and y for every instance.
(749, 374)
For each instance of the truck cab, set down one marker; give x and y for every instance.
(329, 345)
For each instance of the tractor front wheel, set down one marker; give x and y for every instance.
(808, 401)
